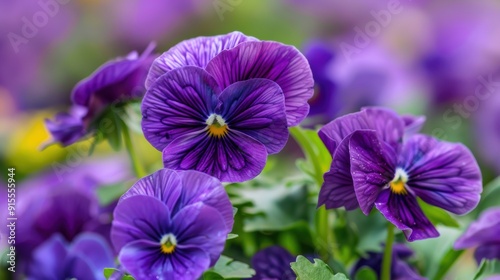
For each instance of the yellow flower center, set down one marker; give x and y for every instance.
(397, 184)
(216, 126)
(168, 243)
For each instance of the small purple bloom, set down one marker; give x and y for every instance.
(400, 269)
(377, 161)
(235, 57)
(273, 263)
(324, 103)
(225, 133)
(483, 234)
(172, 225)
(115, 81)
(84, 258)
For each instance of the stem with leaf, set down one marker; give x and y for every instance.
(322, 221)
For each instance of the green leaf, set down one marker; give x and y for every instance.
(109, 271)
(318, 270)
(110, 193)
(487, 268)
(490, 196)
(447, 262)
(437, 215)
(231, 236)
(227, 268)
(366, 273)
(273, 207)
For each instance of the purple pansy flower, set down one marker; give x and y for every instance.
(115, 81)
(377, 161)
(400, 269)
(273, 263)
(84, 258)
(483, 234)
(225, 133)
(235, 57)
(172, 225)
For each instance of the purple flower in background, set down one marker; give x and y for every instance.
(84, 258)
(324, 103)
(141, 21)
(483, 234)
(172, 225)
(66, 203)
(376, 164)
(225, 133)
(345, 84)
(400, 269)
(235, 57)
(487, 127)
(115, 81)
(273, 263)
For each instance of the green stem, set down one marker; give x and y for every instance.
(387, 261)
(139, 171)
(322, 222)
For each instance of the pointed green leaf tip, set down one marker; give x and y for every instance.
(487, 268)
(305, 270)
(227, 268)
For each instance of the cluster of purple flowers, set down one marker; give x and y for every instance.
(221, 104)
(217, 107)
(379, 160)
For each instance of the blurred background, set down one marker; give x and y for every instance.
(438, 58)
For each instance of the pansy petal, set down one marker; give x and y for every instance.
(413, 124)
(194, 52)
(110, 73)
(200, 187)
(280, 63)
(139, 217)
(273, 263)
(235, 157)
(405, 213)
(178, 103)
(338, 189)
(164, 184)
(389, 126)
(143, 260)
(372, 166)
(46, 258)
(256, 107)
(484, 230)
(488, 251)
(442, 174)
(95, 250)
(190, 263)
(200, 226)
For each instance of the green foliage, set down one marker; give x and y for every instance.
(487, 268)
(227, 268)
(271, 207)
(366, 273)
(110, 193)
(318, 270)
(489, 198)
(109, 271)
(438, 216)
